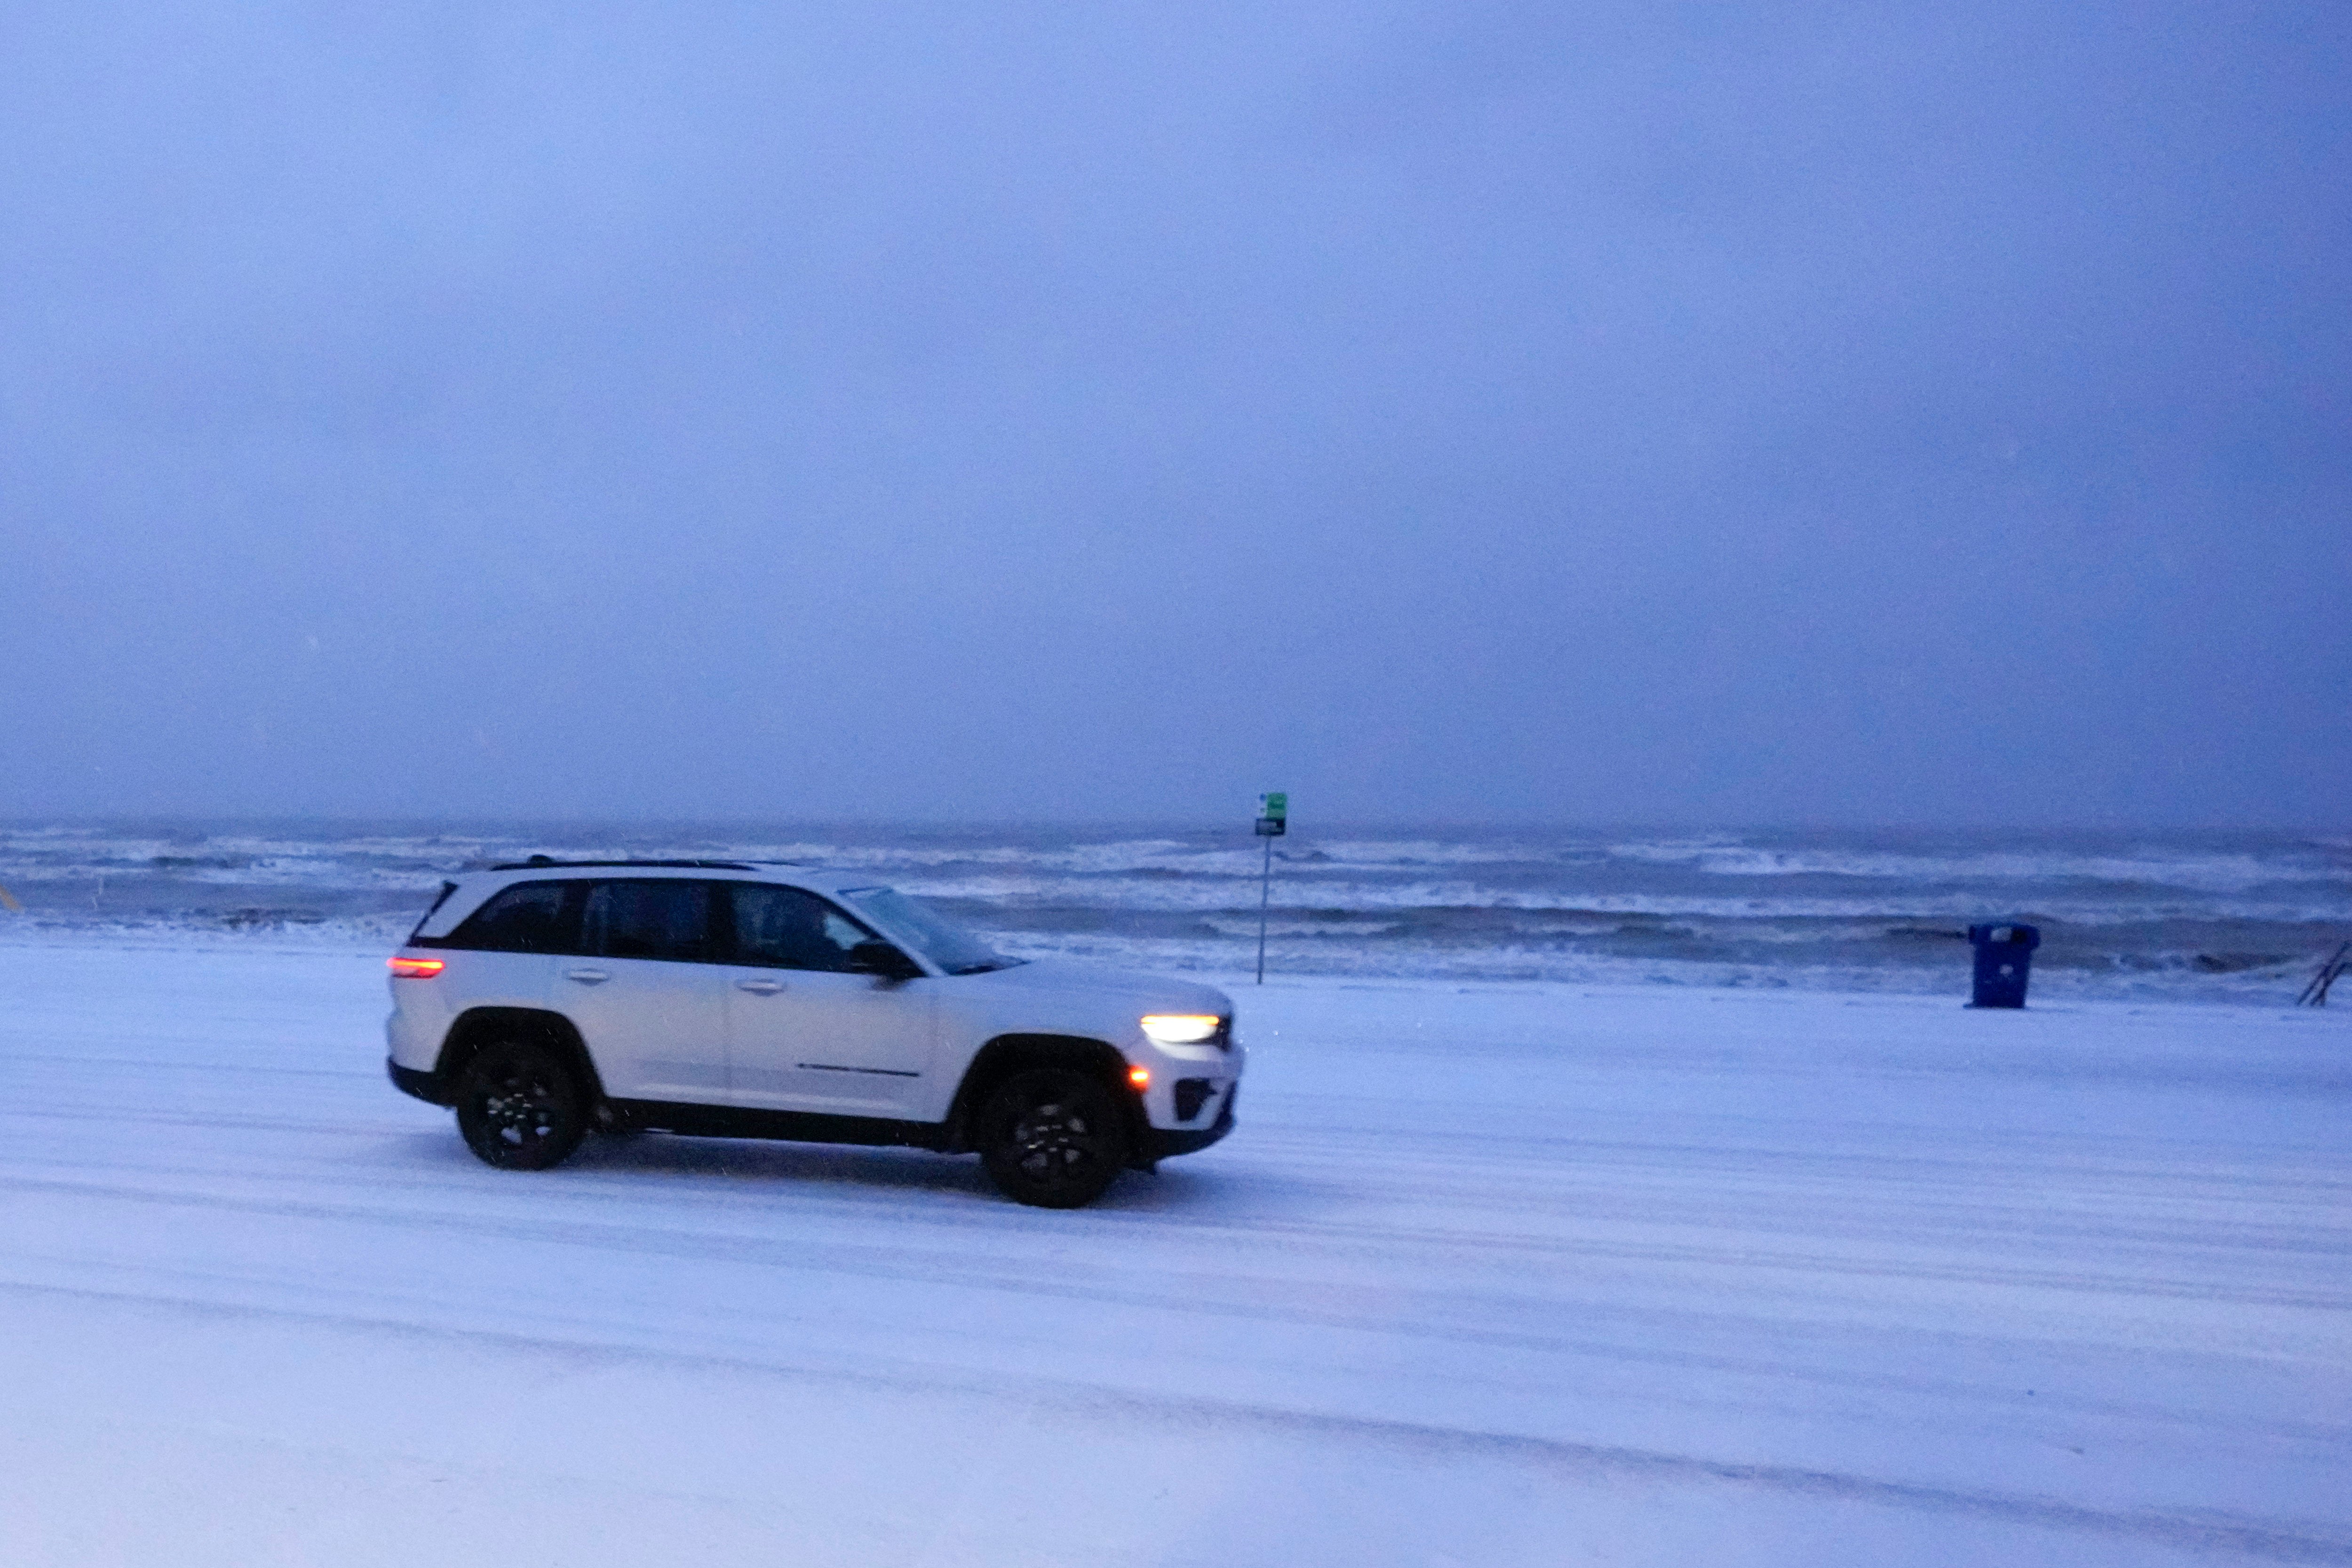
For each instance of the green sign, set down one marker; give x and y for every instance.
(1276, 805)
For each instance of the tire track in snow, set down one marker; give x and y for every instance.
(1439, 1316)
(2214, 1532)
(1728, 1255)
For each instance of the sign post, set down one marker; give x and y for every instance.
(1273, 822)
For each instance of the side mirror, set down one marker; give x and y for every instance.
(880, 959)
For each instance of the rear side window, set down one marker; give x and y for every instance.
(440, 898)
(525, 918)
(783, 928)
(669, 919)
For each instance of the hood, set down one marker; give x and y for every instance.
(1068, 976)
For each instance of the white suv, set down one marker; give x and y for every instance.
(544, 999)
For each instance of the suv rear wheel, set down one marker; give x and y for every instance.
(521, 1106)
(1053, 1137)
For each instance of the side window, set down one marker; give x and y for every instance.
(783, 928)
(667, 918)
(525, 918)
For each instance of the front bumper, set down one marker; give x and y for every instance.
(1166, 1143)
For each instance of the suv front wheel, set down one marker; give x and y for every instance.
(1053, 1137)
(521, 1106)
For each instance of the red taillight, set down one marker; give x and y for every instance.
(416, 968)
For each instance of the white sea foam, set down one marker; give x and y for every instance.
(2199, 874)
(2198, 912)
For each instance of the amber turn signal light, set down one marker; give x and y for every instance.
(416, 968)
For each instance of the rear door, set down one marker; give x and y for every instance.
(805, 1034)
(645, 991)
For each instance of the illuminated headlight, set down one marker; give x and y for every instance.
(1182, 1028)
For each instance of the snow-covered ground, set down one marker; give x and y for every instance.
(1488, 1276)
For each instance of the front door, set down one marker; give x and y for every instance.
(805, 1034)
(644, 992)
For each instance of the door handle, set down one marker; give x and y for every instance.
(764, 987)
(587, 976)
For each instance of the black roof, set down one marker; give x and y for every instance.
(539, 861)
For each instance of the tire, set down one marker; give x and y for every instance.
(1053, 1137)
(521, 1106)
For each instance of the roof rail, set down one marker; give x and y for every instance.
(539, 862)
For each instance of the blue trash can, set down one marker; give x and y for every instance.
(2005, 958)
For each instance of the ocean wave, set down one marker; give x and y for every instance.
(1046, 893)
(1324, 930)
(2196, 874)
(2205, 914)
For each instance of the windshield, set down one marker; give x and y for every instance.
(940, 940)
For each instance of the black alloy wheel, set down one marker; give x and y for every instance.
(521, 1107)
(1053, 1137)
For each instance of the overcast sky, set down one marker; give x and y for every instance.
(1685, 413)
